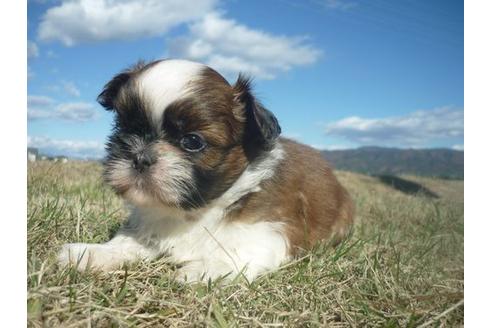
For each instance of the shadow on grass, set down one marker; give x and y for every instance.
(405, 186)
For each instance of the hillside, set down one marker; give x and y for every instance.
(402, 267)
(445, 163)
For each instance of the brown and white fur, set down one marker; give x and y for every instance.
(246, 202)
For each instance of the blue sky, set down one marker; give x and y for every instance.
(337, 73)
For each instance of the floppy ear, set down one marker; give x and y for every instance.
(110, 91)
(262, 128)
(107, 97)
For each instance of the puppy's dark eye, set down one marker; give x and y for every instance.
(193, 142)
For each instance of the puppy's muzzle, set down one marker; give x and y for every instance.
(143, 160)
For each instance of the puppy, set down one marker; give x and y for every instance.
(210, 182)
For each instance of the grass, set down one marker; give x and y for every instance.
(402, 267)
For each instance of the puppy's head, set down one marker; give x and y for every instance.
(182, 134)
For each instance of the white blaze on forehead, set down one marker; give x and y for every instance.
(166, 82)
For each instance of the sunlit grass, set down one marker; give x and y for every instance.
(402, 267)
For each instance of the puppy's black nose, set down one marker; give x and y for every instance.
(142, 161)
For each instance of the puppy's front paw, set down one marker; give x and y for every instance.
(77, 255)
(203, 271)
(189, 274)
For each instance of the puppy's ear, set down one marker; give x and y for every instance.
(107, 97)
(110, 91)
(262, 128)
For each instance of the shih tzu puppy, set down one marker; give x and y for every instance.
(210, 182)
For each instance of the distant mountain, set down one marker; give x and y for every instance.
(444, 163)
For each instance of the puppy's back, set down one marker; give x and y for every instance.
(305, 195)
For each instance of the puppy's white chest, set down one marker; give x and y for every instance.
(210, 248)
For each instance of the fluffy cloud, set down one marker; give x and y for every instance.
(222, 43)
(34, 114)
(415, 129)
(79, 111)
(67, 88)
(37, 107)
(39, 101)
(76, 21)
(71, 89)
(41, 107)
(331, 147)
(32, 49)
(83, 149)
(231, 47)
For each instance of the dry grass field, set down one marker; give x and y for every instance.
(402, 267)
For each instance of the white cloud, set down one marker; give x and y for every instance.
(34, 114)
(70, 88)
(458, 147)
(222, 43)
(413, 130)
(64, 87)
(72, 148)
(331, 147)
(77, 21)
(39, 101)
(37, 107)
(42, 107)
(230, 47)
(79, 111)
(32, 49)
